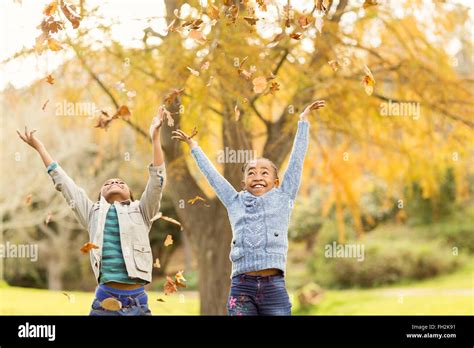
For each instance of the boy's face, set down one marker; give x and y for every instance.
(259, 177)
(115, 190)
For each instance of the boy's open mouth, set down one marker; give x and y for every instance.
(258, 185)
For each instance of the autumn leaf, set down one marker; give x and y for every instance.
(50, 79)
(262, 5)
(369, 3)
(44, 105)
(51, 25)
(88, 247)
(192, 201)
(205, 66)
(54, 45)
(160, 300)
(368, 81)
(296, 36)
(213, 12)
(334, 64)
(197, 36)
(157, 264)
(171, 97)
(123, 112)
(28, 199)
(168, 240)
(192, 71)
(320, 6)
(104, 120)
(237, 113)
(304, 22)
(251, 20)
(180, 281)
(274, 86)
(69, 297)
(48, 218)
(259, 84)
(71, 14)
(50, 9)
(111, 304)
(170, 286)
(232, 14)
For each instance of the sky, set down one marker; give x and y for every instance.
(19, 20)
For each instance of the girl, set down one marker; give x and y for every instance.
(259, 216)
(119, 227)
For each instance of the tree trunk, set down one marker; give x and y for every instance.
(54, 273)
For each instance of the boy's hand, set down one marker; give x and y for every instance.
(30, 139)
(313, 106)
(181, 136)
(156, 124)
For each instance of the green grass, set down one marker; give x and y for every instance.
(450, 294)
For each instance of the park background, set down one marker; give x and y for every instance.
(399, 183)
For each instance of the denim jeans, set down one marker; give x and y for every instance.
(258, 295)
(134, 302)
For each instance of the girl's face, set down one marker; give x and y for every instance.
(115, 190)
(259, 177)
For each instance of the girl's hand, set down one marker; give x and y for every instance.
(181, 136)
(156, 124)
(313, 106)
(30, 139)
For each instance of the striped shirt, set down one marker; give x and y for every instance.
(113, 267)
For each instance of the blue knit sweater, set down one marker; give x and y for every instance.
(259, 223)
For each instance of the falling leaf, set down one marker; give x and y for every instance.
(368, 81)
(40, 40)
(123, 112)
(296, 36)
(251, 20)
(51, 25)
(48, 218)
(213, 12)
(205, 66)
(368, 3)
(28, 199)
(168, 240)
(157, 264)
(104, 120)
(259, 84)
(237, 113)
(69, 297)
(44, 105)
(304, 22)
(232, 14)
(192, 201)
(262, 4)
(320, 6)
(180, 281)
(170, 286)
(194, 72)
(274, 86)
(160, 300)
(319, 24)
(50, 9)
(70, 13)
(50, 79)
(197, 36)
(111, 304)
(334, 65)
(54, 45)
(88, 247)
(276, 40)
(171, 97)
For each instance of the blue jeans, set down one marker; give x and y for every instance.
(257, 295)
(134, 302)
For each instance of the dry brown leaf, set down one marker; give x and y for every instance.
(123, 112)
(192, 201)
(368, 81)
(369, 3)
(197, 36)
(334, 64)
(168, 240)
(50, 79)
(213, 12)
(51, 8)
(259, 84)
(28, 199)
(171, 97)
(170, 286)
(296, 36)
(44, 105)
(111, 304)
(71, 14)
(251, 20)
(88, 247)
(157, 264)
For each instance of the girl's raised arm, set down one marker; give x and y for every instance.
(292, 178)
(75, 196)
(223, 189)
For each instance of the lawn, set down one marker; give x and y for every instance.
(450, 294)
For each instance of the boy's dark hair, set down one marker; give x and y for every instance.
(244, 167)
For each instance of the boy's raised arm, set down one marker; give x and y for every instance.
(75, 196)
(292, 178)
(150, 201)
(223, 189)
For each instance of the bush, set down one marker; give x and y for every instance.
(386, 261)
